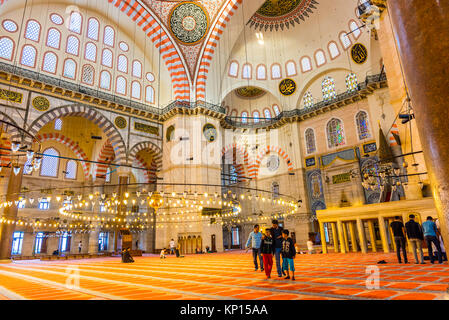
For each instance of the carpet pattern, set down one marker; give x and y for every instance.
(226, 276)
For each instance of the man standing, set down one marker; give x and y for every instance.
(415, 236)
(430, 234)
(255, 238)
(276, 233)
(80, 246)
(399, 238)
(172, 246)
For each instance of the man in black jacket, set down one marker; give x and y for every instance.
(415, 236)
(399, 238)
(276, 233)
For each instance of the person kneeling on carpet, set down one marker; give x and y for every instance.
(126, 256)
(163, 254)
(288, 254)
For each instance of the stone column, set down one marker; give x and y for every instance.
(383, 234)
(93, 241)
(392, 235)
(121, 208)
(372, 235)
(10, 212)
(335, 236)
(362, 237)
(341, 237)
(353, 237)
(323, 237)
(422, 30)
(345, 236)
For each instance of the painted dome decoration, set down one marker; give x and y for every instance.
(275, 14)
(249, 92)
(188, 22)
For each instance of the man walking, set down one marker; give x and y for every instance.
(80, 246)
(255, 239)
(276, 233)
(430, 234)
(415, 236)
(172, 246)
(399, 238)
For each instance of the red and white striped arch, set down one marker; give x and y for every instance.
(238, 156)
(105, 157)
(72, 145)
(267, 150)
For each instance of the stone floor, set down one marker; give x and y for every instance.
(221, 276)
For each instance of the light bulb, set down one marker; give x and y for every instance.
(15, 146)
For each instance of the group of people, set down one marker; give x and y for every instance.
(275, 241)
(416, 235)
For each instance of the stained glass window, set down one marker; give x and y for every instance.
(53, 38)
(58, 124)
(308, 100)
(6, 48)
(256, 116)
(120, 86)
(362, 125)
(50, 163)
(50, 62)
(105, 80)
(73, 45)
(233, 176)
(93, 29)
(122, 64)
(109, 36)
(328, 89)
(244, 117)
(149, 94)
(335, 134)
(33, 30)
(106, 59)
(75, 22)
(88, 74)
(135, 90)
(276, 109)
(71, 169)
(69, 68)
(261, 72)
(267, 114)
(108, 175)
(28, 56)
(39, 242)
(91, 52)
(137, 69)
(17, 240)
(310, 141)
(351, 82)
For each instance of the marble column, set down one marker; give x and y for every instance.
(353, 237)
(341, 237)
(393, 243)
(383, 234)
(10, 212)
(345, 235)
(93, 240)
(372, 235)
(421, 30)
(121, 208)
(362, 236)
(323, 237)
(335, 236)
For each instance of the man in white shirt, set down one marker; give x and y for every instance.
(80, 246)
(172, 246)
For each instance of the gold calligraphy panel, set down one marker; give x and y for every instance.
(287, 87)
(359, 53)
(11, 96)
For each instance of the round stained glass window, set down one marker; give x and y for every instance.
(10, 26)
(150, 77)
(210, 133)
(124, 46)
(56, 19)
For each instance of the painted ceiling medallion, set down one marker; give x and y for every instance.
(275, 14)
(188, 22)
(249, 92)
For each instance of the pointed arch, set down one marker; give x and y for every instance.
(238, 156)
(152, 148)
(272, 149)
(104, 159)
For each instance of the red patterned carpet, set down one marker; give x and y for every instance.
(220, 276)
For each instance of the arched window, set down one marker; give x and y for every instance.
(351, 82)
(355, 29)
(50, 62)
(76, 22)
(69, 69)
(333, 50)
(53, 38)
(345, 41)
(328, 89)
(28, 56)
(244, 117)
(106, 58)
(335, 134)
(28, 167)
(234, 113)
(33, 30)
(320, 58)
(88, 74)
(50, 163)
(291, 69)
(58, 124)
(308, 100)
(108, 175)
(137, 69)
(275, 190)
(71, 169)
(149, 94)
(310, 141)
(136, 90)
(105, 80)
(233, 69)
(6, 48)
(109, 36)
(246, 71)
(362, 125)
(120, 86)
(122, 63)
(276, 71)
(93, 29)
(267, 114)
(256, 116)
(306, 64)
(91, 52)
(73, 45)
(276, 110)
(261, 72)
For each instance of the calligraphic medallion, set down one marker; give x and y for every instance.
(188, 22)
(41, 103)
(287, 87)
(359, 53)
(120, 122)
(210, 133)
